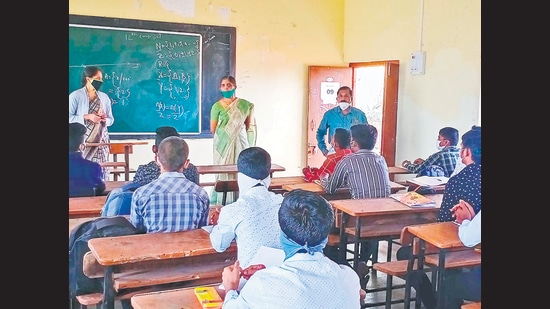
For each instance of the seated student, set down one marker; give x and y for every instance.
(441, 163)
(340, 143)
(119, 199)
(85, 176)
(465, 186)
(306, 278)
(364, 171)
(252, 219)
(170, 203)
(459, 284)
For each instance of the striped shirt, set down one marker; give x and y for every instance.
(170, 203)
(364, 172)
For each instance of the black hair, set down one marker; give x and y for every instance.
(364, 135)
(254, 162)
(345, 88)
(172, 153)
(164, 132)
(89, 71)
(472, 140)
(230, 78)
(450, 134)
(77, 132)
(342, 137)
(305, 216)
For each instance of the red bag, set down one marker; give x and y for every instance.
(310, 173)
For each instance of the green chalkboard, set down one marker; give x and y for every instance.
(155, 73)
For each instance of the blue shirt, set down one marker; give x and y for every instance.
(465, 185)
(446, 159)
(334, 118)
(79, 105)
(170, 203)
(85, 176)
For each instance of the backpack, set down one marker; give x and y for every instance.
(78, 246)
(119, 200)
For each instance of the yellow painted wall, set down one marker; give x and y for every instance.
(448, 94)
(277, 40)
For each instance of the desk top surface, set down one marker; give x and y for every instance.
(86, 206)
(316, 188)
(230, 168)
(152, 246)
(398, 170)
(440, 234)
(171, 299)
(378, 206)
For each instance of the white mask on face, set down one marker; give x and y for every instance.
(343, 105)
(439, 147)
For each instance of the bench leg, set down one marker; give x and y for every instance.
(389, 290)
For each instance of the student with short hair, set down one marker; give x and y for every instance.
(119, 200)
(85, 176)
(306, 278)
(170, 203)
(252, 219)
(340, 145)
(442, 162)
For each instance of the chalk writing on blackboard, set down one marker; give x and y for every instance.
(148, 75)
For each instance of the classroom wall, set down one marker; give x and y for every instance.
(277, 40)
(449, 93)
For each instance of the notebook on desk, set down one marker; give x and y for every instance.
(413, 199)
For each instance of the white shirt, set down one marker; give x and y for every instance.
(469, 232)
(252, 221)
(303, 281)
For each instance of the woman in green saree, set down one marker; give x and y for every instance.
(234, 127)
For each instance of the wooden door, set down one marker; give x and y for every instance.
(323, 83)
(386, 118)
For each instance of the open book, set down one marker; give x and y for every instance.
(413, 199)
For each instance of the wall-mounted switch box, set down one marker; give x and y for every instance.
(418, 62)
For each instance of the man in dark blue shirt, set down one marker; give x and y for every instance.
(85, 176)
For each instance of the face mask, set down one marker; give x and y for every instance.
(96, 84)
(343, 105)
(228, 94)
(439, 147)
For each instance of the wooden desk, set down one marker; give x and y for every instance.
(341, 193)
(113, 251)
(110, 185)
(394, 170)
(172, 299)
(378, 218)
(84, 207)
(442, 235)
(229, 169)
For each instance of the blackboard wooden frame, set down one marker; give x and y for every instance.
(212, 48)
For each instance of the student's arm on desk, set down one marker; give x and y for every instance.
(222, 233)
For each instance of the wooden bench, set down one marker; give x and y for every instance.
(456, 258)
(154, 275)
(86, 207)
